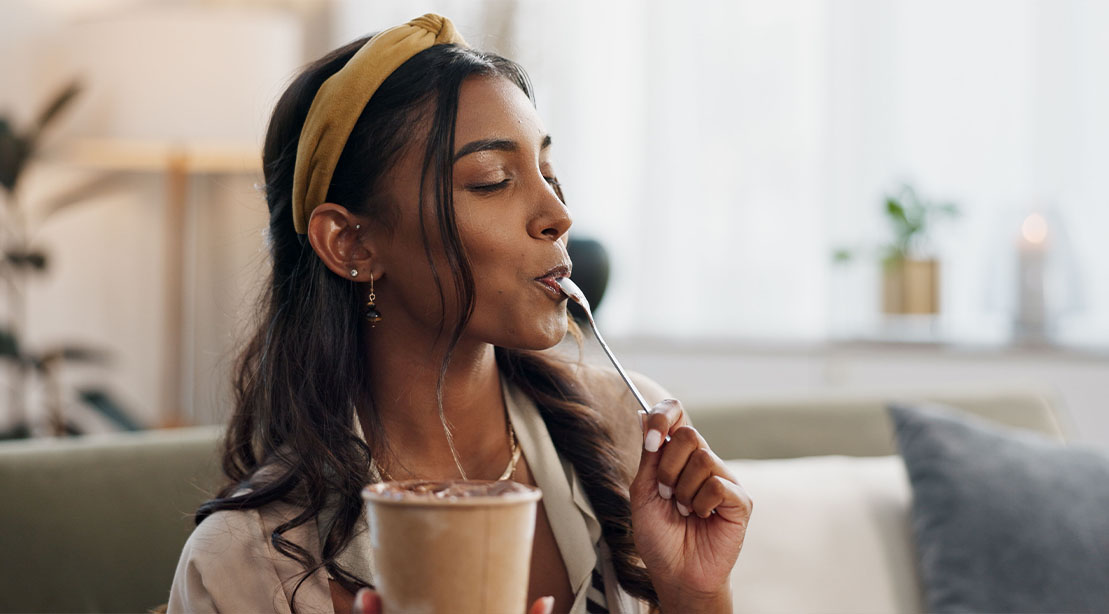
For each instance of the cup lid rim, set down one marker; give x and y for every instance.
(372, 493)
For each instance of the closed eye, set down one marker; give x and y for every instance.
(490, 187)
(493, 187)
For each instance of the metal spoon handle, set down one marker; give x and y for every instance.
(574, 293)
(619, 368)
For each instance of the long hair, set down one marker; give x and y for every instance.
(302, 372)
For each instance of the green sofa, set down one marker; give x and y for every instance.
(97, 524)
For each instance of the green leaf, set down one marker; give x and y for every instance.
(8, 146)
(896, 213)
(56, 106)
(53, 356)
(9, 345)
(912, 228)
(19, 431)
(894, 209)
(74, 353)
(949, 209)
(34, 259)
(105, 405)
(842, 255)
(14, 151)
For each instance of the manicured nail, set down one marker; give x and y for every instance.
(664, 491)
(683, 510)
(653, 441)
(548, 605)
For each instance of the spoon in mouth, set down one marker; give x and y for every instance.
(574, 293)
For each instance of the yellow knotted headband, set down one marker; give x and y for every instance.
(344, 95)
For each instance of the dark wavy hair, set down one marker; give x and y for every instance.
(302, 372)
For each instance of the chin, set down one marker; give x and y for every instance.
(551, 342)
(547, 341)
(538, 335)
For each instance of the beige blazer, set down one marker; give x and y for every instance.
(229, 564)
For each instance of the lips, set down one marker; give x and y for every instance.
(548, 279)
(561, 270)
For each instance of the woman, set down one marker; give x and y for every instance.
(417, 229)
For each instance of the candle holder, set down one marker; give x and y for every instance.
(1030, 322)
(1044, 286)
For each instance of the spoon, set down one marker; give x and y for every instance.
(574, 293)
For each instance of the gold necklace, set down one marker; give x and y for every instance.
(380, 475)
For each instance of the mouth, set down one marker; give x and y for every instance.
(549, 280)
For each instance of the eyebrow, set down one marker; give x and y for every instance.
(494, 145)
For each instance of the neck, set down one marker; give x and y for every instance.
(406, 367)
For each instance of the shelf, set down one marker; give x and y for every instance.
(133, 155)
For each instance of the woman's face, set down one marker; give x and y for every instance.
(510, 219)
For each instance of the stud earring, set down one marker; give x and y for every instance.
(373, 316)
(354, 272)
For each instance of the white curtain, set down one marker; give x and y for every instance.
(722, 149)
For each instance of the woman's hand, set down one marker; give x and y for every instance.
(369, 602)
(689, 514)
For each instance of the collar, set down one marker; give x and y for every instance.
(571, 517)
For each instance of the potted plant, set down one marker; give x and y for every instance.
(910, 271)
(19, 260)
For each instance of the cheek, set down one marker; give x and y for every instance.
(409, 281)
(488, 234)
(496, 252)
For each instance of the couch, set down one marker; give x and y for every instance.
(830, 531)
(96, 524)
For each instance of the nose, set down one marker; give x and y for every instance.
(551, 219)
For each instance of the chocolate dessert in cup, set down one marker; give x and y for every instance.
(459, 546)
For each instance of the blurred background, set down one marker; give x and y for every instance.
(792, 196)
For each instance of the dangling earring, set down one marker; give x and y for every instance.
(373, 316)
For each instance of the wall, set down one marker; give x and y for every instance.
(165, 74)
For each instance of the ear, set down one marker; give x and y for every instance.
(344, 242)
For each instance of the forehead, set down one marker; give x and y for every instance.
(495, 107)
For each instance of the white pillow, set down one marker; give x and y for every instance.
(827, 534)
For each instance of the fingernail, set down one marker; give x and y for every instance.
(664, 491)
(548, 605)
(653, 441)
(683, 510)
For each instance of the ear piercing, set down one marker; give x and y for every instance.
(373, 316)
(354, 272)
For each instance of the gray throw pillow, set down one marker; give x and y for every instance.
(1005, 520)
